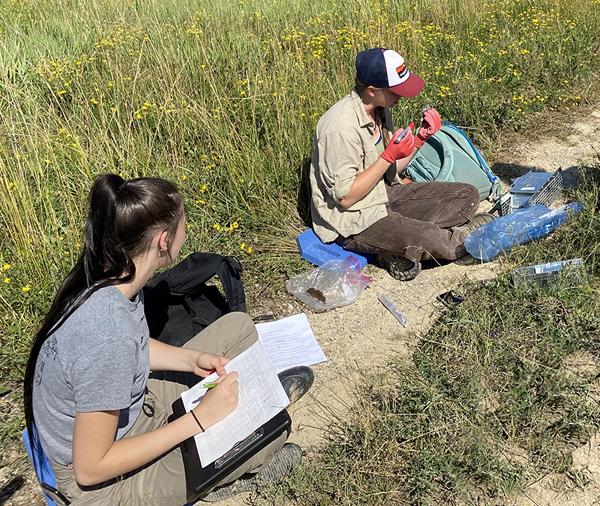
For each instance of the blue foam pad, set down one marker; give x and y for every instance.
(41, 465)
(316, 252)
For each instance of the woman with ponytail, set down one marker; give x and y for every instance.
(100, 416)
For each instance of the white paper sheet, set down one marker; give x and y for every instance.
(290, 342)
(261, 397)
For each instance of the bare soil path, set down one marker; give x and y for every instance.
(364, 336)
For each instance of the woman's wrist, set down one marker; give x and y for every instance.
(198, 423)
(192, 359)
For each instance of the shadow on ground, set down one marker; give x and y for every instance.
(10, 488)
(509, 171)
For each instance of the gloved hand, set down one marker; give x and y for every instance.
(401, 149)
(430, 124)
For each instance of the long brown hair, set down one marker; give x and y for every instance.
(122, 219)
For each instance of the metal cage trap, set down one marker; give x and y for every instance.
(533, 188)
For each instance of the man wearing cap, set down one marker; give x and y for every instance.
(358, 199)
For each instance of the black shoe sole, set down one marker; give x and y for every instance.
(296, 381)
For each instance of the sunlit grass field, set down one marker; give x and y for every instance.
(222, 98)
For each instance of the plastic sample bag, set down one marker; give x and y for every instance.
(336, 283)
(519, 227)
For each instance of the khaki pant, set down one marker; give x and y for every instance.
(162, 482)
(421, 222)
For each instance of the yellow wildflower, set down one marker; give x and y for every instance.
(7, 279)
(26, 288)
(5, 267)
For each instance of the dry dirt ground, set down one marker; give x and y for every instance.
(364, 336)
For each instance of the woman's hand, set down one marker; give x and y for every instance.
(219, 401)
(207, 363)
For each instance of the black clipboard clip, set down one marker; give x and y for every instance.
(239, 448)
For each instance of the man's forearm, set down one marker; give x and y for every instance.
(365, 182)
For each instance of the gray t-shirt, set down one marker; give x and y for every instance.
(98, 360)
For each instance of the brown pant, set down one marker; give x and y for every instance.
(162, 482)
(420, 223)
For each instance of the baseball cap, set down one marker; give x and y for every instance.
(385, 68)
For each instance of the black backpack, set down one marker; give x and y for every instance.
(178, 303)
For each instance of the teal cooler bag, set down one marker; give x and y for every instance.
(450, 156)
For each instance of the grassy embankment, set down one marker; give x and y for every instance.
(223, 99)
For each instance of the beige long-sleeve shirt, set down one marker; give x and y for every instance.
(342, 148)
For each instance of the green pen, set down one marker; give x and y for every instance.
(208, 386)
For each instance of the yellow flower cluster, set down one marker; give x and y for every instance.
(350, 37)
(64, 137)
(5, 268)
(60, 73)
(317, 43)
(246, 248)
(122, 35)
(444, 92)
(346, 37)
(193, 29)
(230, 228)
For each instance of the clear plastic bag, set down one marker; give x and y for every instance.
(336, 283)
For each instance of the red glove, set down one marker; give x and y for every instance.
(431, 123)
(401, 149)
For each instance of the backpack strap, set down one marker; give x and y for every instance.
(229, 272)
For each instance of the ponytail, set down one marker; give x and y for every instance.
(103, 255)
(122, 219)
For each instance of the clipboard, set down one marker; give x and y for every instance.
(199, 480)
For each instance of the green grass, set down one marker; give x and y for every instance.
(223, 99)
(498, 393)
